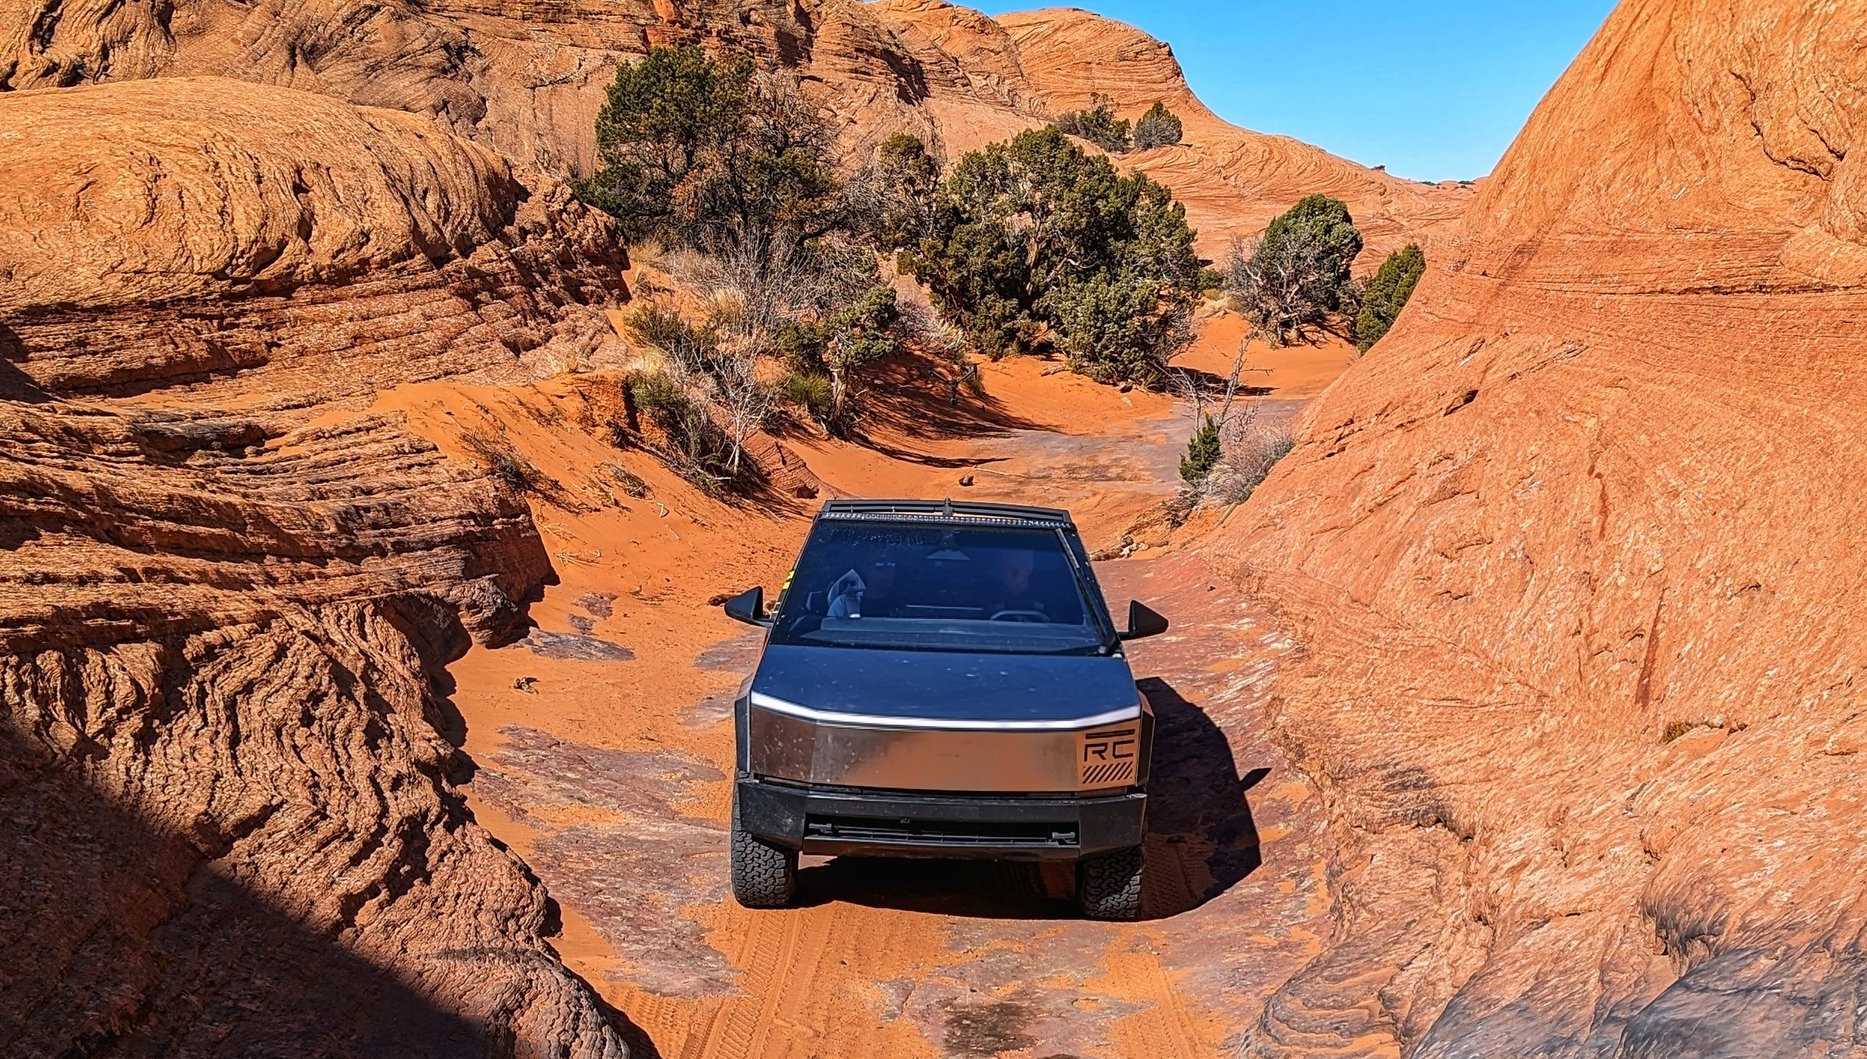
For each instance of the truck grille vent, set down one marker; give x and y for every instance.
(1108, 773)
(943, 832)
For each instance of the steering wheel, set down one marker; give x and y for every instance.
(1028, 616)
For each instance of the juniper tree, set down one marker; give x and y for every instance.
(1159, 127)
(1098, 124)
(1295, 276)
(1037, 240)
(1387, 293)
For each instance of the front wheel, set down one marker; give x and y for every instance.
(764, 875)
(1108, 885)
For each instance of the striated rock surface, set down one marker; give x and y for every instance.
(162, 232)
(1574, 556)
(527, 78)
(227, 595)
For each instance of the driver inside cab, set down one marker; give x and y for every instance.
(1008, 587)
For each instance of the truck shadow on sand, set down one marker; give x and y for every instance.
(1201, 841)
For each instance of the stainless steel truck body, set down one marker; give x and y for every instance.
(942, 679)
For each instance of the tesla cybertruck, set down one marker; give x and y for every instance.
(942, 679)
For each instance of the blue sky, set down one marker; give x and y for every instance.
(1433, 91)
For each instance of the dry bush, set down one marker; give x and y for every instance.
(631, 483)
(499, 457)
(1234, 446)
(517, 473)
(819, 304)
(1292, 281)
(706, 369)
(924, 330)
(693, 444)
(1246, 459)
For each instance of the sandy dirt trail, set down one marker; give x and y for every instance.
(602, 746)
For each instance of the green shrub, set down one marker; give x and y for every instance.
(1098, 124)
(663, 119)
(703, 152)
(1387, 293)
(1159, 127)
(1109, 327)
(811, 392)
(659, 397)
(696, 445)
(1324, 222)
(839, 347)
(1037, 237)
(1296, 277)
(655, 325)
(1202, 453)
(903, 182)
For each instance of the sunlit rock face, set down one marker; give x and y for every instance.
(1575, 556)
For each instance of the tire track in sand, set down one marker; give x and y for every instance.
(806, 987)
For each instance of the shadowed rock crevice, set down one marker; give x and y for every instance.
(137, 941)
(231, 845)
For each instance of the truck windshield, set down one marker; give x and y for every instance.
(937, 588)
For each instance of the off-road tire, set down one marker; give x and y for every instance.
(764, 875)
(1108, 885)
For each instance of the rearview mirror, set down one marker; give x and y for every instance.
(1143, 622)
(748, 607)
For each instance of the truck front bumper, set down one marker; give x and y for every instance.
(866, 753)
(848, 821)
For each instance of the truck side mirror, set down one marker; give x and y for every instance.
(1143, 622)
(748, 607)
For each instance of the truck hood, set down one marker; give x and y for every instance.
(944, 689)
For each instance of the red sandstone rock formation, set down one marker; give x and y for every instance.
(176, 230)
(226, 595)
(527, 79)
(1575, 559)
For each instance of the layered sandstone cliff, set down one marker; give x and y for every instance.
(1574, 556)
(527, 79)
(227, 594)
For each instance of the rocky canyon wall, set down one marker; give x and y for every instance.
(526, 78)
(228, 592)
(1575, 559)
